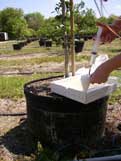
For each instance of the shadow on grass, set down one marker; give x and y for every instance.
(19, 141)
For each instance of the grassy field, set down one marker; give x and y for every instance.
(12, 86)
(33, 47)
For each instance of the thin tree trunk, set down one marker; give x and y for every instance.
(66, 53)
(72, 37)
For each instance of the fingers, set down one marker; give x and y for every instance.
(97, 79)
(93, 79)
(106, 38)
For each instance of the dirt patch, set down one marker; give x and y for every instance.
(22, 56)
(12, 114)
(37, 68)
(28, 69)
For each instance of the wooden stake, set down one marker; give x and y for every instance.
(72, 49)
(66, 52)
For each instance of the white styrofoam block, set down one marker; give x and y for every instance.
(71, 88)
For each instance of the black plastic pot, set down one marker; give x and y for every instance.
(79, 46)
(17, 46)
(29, 40)
(48, 43)
(41, 42)
(56, 120)
(21, 44)
(25, 42)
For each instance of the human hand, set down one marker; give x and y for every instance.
(109, 32)
(100, 75)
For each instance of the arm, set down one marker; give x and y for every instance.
(114, 63)
(103, 71)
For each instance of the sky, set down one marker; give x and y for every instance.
(46, 7)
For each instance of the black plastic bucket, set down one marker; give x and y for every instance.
(41, 42)
(56, 120)
(17, 46)
(79, 46)
(48, 43)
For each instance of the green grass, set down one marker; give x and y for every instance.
(115, 97)
(12, 87)
(111, 49)
(33, 61)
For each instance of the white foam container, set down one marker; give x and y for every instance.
(71, 88)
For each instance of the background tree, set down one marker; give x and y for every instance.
(111, 18)
(30, 33)
(103, 19)
(12, 21)
(50, 28)
(0, 22)
(34, 20)
(84, 19)
(89, 22)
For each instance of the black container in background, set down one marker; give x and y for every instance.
(21, 44)
(79, 46)
(41, 42)
(48, 43)
(17, 46)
